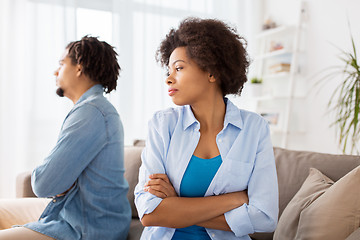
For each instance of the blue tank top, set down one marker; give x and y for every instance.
(196, 180)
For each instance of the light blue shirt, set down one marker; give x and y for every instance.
(248, 163)
(89, 153)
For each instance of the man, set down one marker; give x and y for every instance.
(84, 173)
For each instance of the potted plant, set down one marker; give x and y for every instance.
(255, 87)
(345, 100)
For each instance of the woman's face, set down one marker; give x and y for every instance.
(187, 82)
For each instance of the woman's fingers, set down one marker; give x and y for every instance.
(160, 186)
(160, 182)
(162, 176)
(155, 192)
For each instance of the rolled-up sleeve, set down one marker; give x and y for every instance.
(82, 137)
(152, 162)
(261, 214)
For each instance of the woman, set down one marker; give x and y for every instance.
(208, 169)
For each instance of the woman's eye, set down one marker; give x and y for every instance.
(167, 73)
(178, 68)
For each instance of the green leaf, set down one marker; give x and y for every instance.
(344, 101)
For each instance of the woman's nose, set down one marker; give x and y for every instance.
(169, 80)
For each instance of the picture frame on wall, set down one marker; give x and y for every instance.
(273, 118)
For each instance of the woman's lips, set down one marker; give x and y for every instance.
(172, 91)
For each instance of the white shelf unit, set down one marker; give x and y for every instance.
(280, 47)
(274, 54)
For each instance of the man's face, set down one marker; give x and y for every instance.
(66, 75)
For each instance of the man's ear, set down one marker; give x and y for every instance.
(79, 69)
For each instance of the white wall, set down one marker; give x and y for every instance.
(326, 25)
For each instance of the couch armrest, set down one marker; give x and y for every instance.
(23, 185)
(355, 235)
(18, 211)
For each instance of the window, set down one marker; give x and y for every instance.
(97, 23)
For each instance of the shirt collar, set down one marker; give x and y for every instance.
(94, 90)
(232, 116)
(189, 118)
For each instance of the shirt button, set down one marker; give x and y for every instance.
(220, 140)
(54, 200)
(213, 235)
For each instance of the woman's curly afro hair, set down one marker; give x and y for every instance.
(98, 59)
(214, 46)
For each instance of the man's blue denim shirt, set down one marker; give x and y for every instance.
(88, 159)
(248, 163)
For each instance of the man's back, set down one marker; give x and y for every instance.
(89, 156)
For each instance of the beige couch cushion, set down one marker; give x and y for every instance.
(293, 168)
(313, 187)
(336, 213)
(132, 164)
(23, 185)
(19, 211)
(355, 235)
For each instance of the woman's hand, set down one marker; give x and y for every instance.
(160, 186)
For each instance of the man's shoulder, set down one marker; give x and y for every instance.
(93, 114)
(97, 105)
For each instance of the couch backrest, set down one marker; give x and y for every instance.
(293, 168)
(132, 162)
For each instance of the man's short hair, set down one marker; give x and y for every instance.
(98, 60)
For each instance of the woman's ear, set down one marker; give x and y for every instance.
(211, 78)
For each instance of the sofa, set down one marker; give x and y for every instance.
(292, 168)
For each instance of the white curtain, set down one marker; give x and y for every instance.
(33, 36)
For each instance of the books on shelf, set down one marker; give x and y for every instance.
(280, 67)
